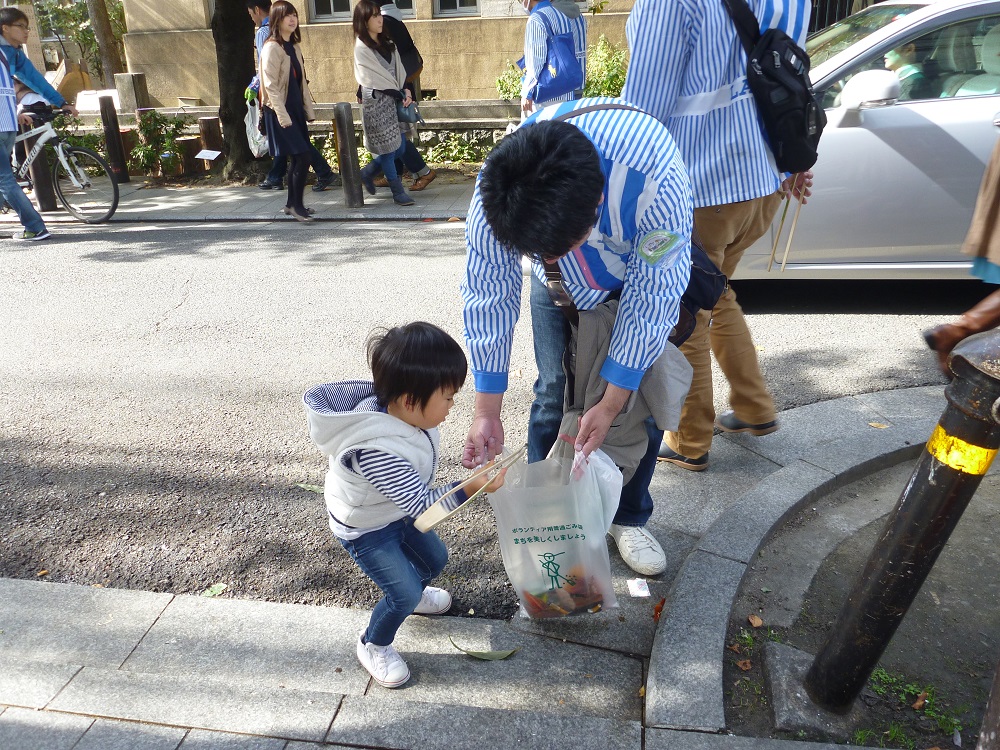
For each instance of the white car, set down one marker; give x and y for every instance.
(899, 165)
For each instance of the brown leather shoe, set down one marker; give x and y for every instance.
(983, 316)
(421, 182)
(381, 182)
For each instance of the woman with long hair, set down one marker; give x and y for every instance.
(381, 76)
(287, 103)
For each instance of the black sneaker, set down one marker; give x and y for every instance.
(268, 185)
(327, 182)
(675, 458)
(32, 236)
(729, 423)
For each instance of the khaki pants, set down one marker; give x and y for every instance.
(725, 232)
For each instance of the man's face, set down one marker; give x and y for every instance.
(256, 15)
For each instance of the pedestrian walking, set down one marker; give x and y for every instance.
(603, 202)
(983, 243)
(259, 11)
(287, 103)
(14, 31)
(560, 17)
(380, 76)
(381, 437)
(688, 69)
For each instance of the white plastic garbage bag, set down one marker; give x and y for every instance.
(552, 517)
(256, 139)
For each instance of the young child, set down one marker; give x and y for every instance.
(382, 439)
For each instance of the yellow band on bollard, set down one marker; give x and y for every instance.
(958, 454)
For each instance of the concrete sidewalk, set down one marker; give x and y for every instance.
(97, 668)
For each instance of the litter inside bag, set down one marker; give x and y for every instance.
(552, 521)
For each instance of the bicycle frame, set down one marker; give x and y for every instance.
(45, 134)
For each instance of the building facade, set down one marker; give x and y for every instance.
(466, 45)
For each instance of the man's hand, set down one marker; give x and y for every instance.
(70, 109)
(25, 119)
(799, 186)
(249, 94)
(596, 422)
(485, 438)
(526, 105)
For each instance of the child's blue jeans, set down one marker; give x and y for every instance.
(401, 561)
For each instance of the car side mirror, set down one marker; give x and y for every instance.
(867, 90)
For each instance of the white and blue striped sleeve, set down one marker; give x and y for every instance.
(535, 50)
(396, 478)
(491, 294)
(660, 48)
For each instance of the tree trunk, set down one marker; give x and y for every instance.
(232, 30)
(107, 44)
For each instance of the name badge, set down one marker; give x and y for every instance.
(658, 245)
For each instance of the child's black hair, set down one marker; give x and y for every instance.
(415, 360)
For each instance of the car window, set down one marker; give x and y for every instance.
(824, 44)
(946, 62)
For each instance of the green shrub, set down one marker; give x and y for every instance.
(158, 135)
(454, 148)
(607, 65)
(509, 82)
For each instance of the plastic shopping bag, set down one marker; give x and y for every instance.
(257, 140)
(552, 517)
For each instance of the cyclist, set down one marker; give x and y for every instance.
(14, 63)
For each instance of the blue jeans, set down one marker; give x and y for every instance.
(550, 331)
(387, 162)
(323, 170)
(401, 561)
(12, 192)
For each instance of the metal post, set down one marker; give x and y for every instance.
(347, 154)
(113, 139)
(989, 734)
(958, 454)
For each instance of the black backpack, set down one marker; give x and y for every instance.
(778, 76)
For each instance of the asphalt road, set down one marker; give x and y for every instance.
(151, 429)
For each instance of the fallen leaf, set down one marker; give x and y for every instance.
(642, 692)
(919, 702)
(735, 648)
(454, 218)
(755, 621)
(485, 655)
(42, 573)
(588, 676)
(311, 487)
(472, 611)
(215, 589)
(338, 670)
(744, 665)
(878, 425)
(765, 590)
(658, 610)
(426, 220)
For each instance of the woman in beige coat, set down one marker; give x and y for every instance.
(983, 243)
(287, 103)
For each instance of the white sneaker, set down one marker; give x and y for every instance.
(433, 601)
(383, 663)
(639, 549)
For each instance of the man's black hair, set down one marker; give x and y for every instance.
(10, 16)
(540, 189)
(415, 360)
(264, 5)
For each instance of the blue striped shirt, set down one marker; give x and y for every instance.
(647, 201)
(8, 100)
(688, 69)
(536, 45)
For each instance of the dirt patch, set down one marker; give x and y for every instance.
(932, 684)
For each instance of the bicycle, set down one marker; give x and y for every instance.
(83, 181)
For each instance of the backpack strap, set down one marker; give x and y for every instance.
(747, 26)
(593, 108)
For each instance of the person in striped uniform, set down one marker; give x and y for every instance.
(688, 70)
(604, 195)
(14, 30)
(564, 16)
(381, 437)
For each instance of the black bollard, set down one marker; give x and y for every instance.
(347, 154)
(958, 454)
(113, 139)
(989, 734)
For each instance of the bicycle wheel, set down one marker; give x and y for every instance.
(91, 193)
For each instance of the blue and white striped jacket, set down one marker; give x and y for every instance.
(688, 69)
(536, 45)
(647, 203)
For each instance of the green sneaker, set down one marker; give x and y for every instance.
(32, 236)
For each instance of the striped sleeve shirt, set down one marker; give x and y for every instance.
(536, 45)
(639, 245)
(398, 480)
(688, 69)
(8, 100)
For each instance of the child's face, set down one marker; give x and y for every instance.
(431, 415)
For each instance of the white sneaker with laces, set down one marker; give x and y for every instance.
(639, 549)
(383, 663)
(433, 601)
